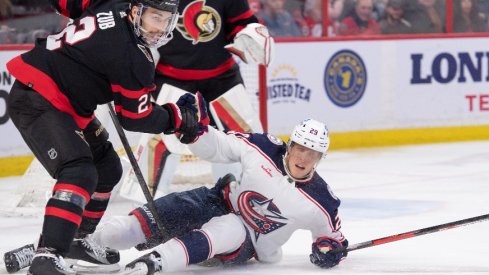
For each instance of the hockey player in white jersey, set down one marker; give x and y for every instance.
(277, 193)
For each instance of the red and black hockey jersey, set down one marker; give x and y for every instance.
(96, 59)
(204, 27)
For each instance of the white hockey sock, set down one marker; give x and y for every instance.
(174, 256)
(119, 232)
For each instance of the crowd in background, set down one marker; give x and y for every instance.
(22, 21)
(292, 18)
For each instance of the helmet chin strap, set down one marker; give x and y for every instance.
(289, 174)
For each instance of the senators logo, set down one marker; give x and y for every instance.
(199, 23)
(260, 213)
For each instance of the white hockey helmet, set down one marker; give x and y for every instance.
(155, 31)
(311, 134)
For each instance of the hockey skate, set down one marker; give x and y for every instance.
(19, 258)
(48, 261)
(145, 265)
(99, 259)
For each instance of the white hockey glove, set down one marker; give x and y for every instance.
(253, 44)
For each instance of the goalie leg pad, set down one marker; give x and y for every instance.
(233, 111)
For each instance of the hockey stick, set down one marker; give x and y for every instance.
(414, 233)
(138, 173)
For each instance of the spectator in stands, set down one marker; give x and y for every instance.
(255, 6)
(7, 35)
(5, 9)
(483, 7)
(394, 21)
(426, 16)
(361, 21)
(467, 17)
(278, 20)
(379, 9)
(313, 18)
(335, 10)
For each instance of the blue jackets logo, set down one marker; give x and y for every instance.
(345, 78)
(285, 87)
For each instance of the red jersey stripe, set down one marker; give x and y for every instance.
(63, 4)
(45, 85)
(234, 31)
(245, 15)
(183, 74)
(132, 115)
(63, 214)
(94, 215)
(134, 94)
(85, 4)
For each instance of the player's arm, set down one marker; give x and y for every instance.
(70, 8)
(325, 225)
(217, 146)
(137, 112)
(328, 237)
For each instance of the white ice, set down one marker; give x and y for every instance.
(384, 191)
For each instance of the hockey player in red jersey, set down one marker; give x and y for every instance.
(278, 193)
(199, 59)
(102, 56)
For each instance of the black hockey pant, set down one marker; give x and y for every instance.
(82, 161)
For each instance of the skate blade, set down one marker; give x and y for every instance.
(88, 268)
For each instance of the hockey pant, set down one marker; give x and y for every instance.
(200, 227)
(82, 161)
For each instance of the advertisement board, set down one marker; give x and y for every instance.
(11, 142)
(378, 85)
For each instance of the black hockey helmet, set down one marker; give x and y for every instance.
(166, 5)
(154, 32)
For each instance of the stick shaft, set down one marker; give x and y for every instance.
(137, 172)
(415, 233)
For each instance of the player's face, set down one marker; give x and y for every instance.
(301, 160)
(154, 23)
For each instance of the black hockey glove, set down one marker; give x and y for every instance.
(184, 123)
(322, 254)
(197, 104)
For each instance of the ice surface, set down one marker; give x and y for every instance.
(384, 192)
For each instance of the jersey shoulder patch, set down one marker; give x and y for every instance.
(274, 139)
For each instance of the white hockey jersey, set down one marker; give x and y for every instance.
(269, 203)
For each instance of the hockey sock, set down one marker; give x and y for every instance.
(94, 211)
(63, 216)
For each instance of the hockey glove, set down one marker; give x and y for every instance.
(184, 123)
(322, 252)
(199, 105)
(253, 44)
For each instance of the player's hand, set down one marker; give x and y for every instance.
(198, 104)
(323, 255)
(184, 123)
